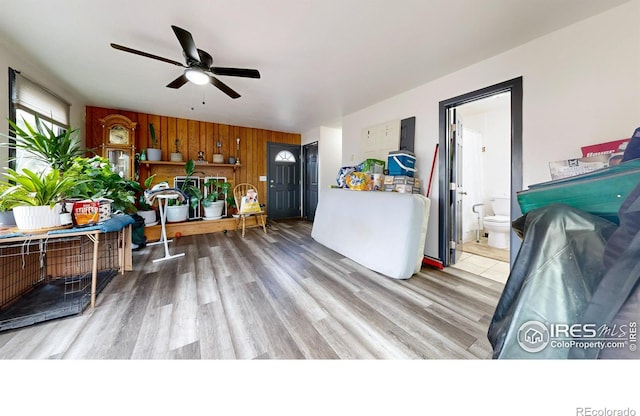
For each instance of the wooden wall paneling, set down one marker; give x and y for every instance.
(142, 133)
(260, 162)
(208, 142)
(234, 135)
(195, 136)
(223, 136)
(155, 120)
(242, 153)
(214, 140)
(169, 137)
(248, 166)
(189, 143)
(169, 131)
(202, 138)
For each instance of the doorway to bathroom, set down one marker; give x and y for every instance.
(480, 171)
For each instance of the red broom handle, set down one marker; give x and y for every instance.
(433, 165)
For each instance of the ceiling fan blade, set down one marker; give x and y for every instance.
(187, 43)
(145, 54)
(224, 87)
(178, 82)
(235, 72)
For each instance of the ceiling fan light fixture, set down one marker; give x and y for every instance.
(196, 76)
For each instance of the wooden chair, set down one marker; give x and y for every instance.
(239, 191)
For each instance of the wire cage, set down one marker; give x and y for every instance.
(44, 279)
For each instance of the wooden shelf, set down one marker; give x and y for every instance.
(166, 163)
(194, 227)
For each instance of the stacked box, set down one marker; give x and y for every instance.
(388, 180)
(403, 180)
(372, 166)
(404, 188)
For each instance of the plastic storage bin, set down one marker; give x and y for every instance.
(401, 162)
(600, 192)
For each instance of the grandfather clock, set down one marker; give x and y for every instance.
(118, 143)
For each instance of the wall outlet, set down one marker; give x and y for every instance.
(263, 178)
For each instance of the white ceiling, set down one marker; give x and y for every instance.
(319, 59)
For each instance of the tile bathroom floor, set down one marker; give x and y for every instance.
(483, 266)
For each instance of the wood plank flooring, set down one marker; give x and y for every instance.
(278, 295)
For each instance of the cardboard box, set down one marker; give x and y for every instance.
(404, 180)
(404, 188)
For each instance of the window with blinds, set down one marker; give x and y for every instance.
(29, 99)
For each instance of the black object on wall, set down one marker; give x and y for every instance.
(407, 133)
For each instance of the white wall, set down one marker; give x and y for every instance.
(10, 58)
(580, 86)
(329, 154)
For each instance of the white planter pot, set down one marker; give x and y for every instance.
(214, 211)
(154, 155)
(35, 218)
(149, 217)
(177, 213)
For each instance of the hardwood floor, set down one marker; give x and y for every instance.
(278, 295)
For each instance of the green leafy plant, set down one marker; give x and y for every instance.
(152, 133)
(3, 205)
(142, 201)
(100, 181)
(218, 189)
(36, 189)
(43, 144)
(226, 191)
(192, 192)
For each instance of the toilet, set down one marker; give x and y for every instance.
(499, 225)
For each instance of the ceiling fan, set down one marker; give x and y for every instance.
(198, 67)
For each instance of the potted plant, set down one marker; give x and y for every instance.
(34, 197)
(96, 179)
(176, 156)
(41, 143)
(146, 211)
(217, 156)
(214, 201)
(154, 153)
(178, 212)
(6, 213)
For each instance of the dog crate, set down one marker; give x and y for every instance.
(47, 277)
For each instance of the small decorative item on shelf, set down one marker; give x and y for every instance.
(232, 160)
(154, 154)
(176, 156)
(201, 156)
(237, 151)
(218, 156)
